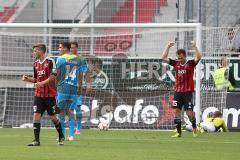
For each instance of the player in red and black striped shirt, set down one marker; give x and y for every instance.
(45, 92)
(184, 84)
(42, 71)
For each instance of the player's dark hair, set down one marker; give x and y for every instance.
(66, 45)
(42, 47)
(217, 114)
(74, 43)
(181, 51)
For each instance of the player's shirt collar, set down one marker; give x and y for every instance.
(41, 62)
(183, 64)
(69, 56)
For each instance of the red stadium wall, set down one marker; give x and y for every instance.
(7, 13)
(145, 12)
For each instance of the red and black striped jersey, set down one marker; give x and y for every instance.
(184, 75)
(42, 70)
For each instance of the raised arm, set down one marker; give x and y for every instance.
(166, 51)
(198, 54)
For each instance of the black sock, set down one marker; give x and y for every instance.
(193, 121)
(59, 129)
(36, 129)
(177, 121)
(178, 126)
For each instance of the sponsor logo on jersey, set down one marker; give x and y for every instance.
(181, 72)
(40, 73)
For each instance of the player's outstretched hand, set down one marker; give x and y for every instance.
(170, 44)
(193, 44)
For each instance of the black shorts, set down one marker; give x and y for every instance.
(183, 99)
(44, 103)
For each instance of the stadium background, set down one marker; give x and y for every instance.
(16, 53)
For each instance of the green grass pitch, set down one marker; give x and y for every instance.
(120, 145)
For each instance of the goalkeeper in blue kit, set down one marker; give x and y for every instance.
(70, 71)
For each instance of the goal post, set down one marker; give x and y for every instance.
(198, 74)
(109, 40)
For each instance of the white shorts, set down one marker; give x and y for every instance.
(208, 127)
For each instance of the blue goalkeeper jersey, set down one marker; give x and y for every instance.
(69, 66)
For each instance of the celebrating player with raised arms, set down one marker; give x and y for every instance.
(184, 84)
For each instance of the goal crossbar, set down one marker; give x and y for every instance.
(100, 25)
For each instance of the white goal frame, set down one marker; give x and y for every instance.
(195, 26)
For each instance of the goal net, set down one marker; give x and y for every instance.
(220, 47)
(131, 85)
